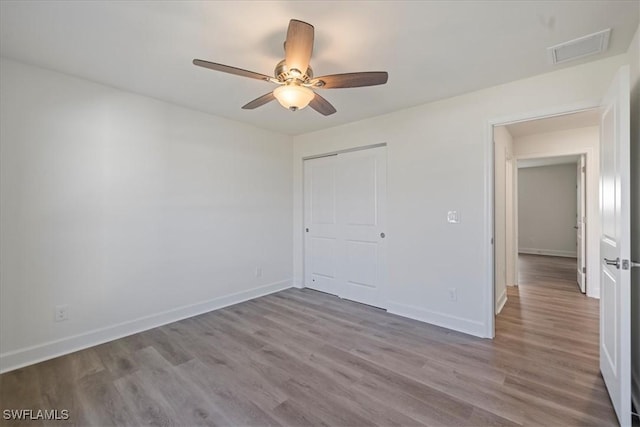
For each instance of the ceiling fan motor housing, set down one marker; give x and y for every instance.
(283, 74)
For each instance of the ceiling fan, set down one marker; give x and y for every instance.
(294, 76)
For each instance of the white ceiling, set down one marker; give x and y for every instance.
(431, 49)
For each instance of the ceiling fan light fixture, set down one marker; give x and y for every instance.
(293, 97)
(295, 76)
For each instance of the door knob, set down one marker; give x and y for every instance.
(615, 262)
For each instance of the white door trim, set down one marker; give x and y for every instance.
(581, 217)
(489, 291)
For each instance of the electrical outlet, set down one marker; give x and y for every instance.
(259, 272)
(453, 217)
(61, 313)
(453, 294)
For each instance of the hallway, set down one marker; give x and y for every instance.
(549, 272)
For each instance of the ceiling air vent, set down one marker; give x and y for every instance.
(580, 47)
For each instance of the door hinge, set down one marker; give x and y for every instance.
(584, 169)
(584, 269)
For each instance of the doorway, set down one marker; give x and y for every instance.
(550, 219)
(550, 148)
(607, 233)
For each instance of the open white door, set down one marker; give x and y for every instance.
(580, 224)
(615, 249)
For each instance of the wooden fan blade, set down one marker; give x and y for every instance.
(322, 106)
(259, 102)
(335, 81)
(231, 70)
(299, 45)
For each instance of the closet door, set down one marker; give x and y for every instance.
(321, 229)
(344, 210)
(361, 183)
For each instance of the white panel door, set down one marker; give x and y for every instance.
(321, 229)
(362, 177)
(344, 214)
(580, 224)
(615, 310)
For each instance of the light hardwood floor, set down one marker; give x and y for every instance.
(300, 357)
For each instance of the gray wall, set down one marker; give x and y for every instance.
(547, 210)
(130, 211)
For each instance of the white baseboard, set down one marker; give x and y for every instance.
(593, 291)
(502, 300)
(459, 324)
(548, 252)
(48, 350)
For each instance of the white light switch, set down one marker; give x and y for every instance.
(453, 217)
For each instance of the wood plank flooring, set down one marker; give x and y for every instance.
(549, 272)
(300, 357)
